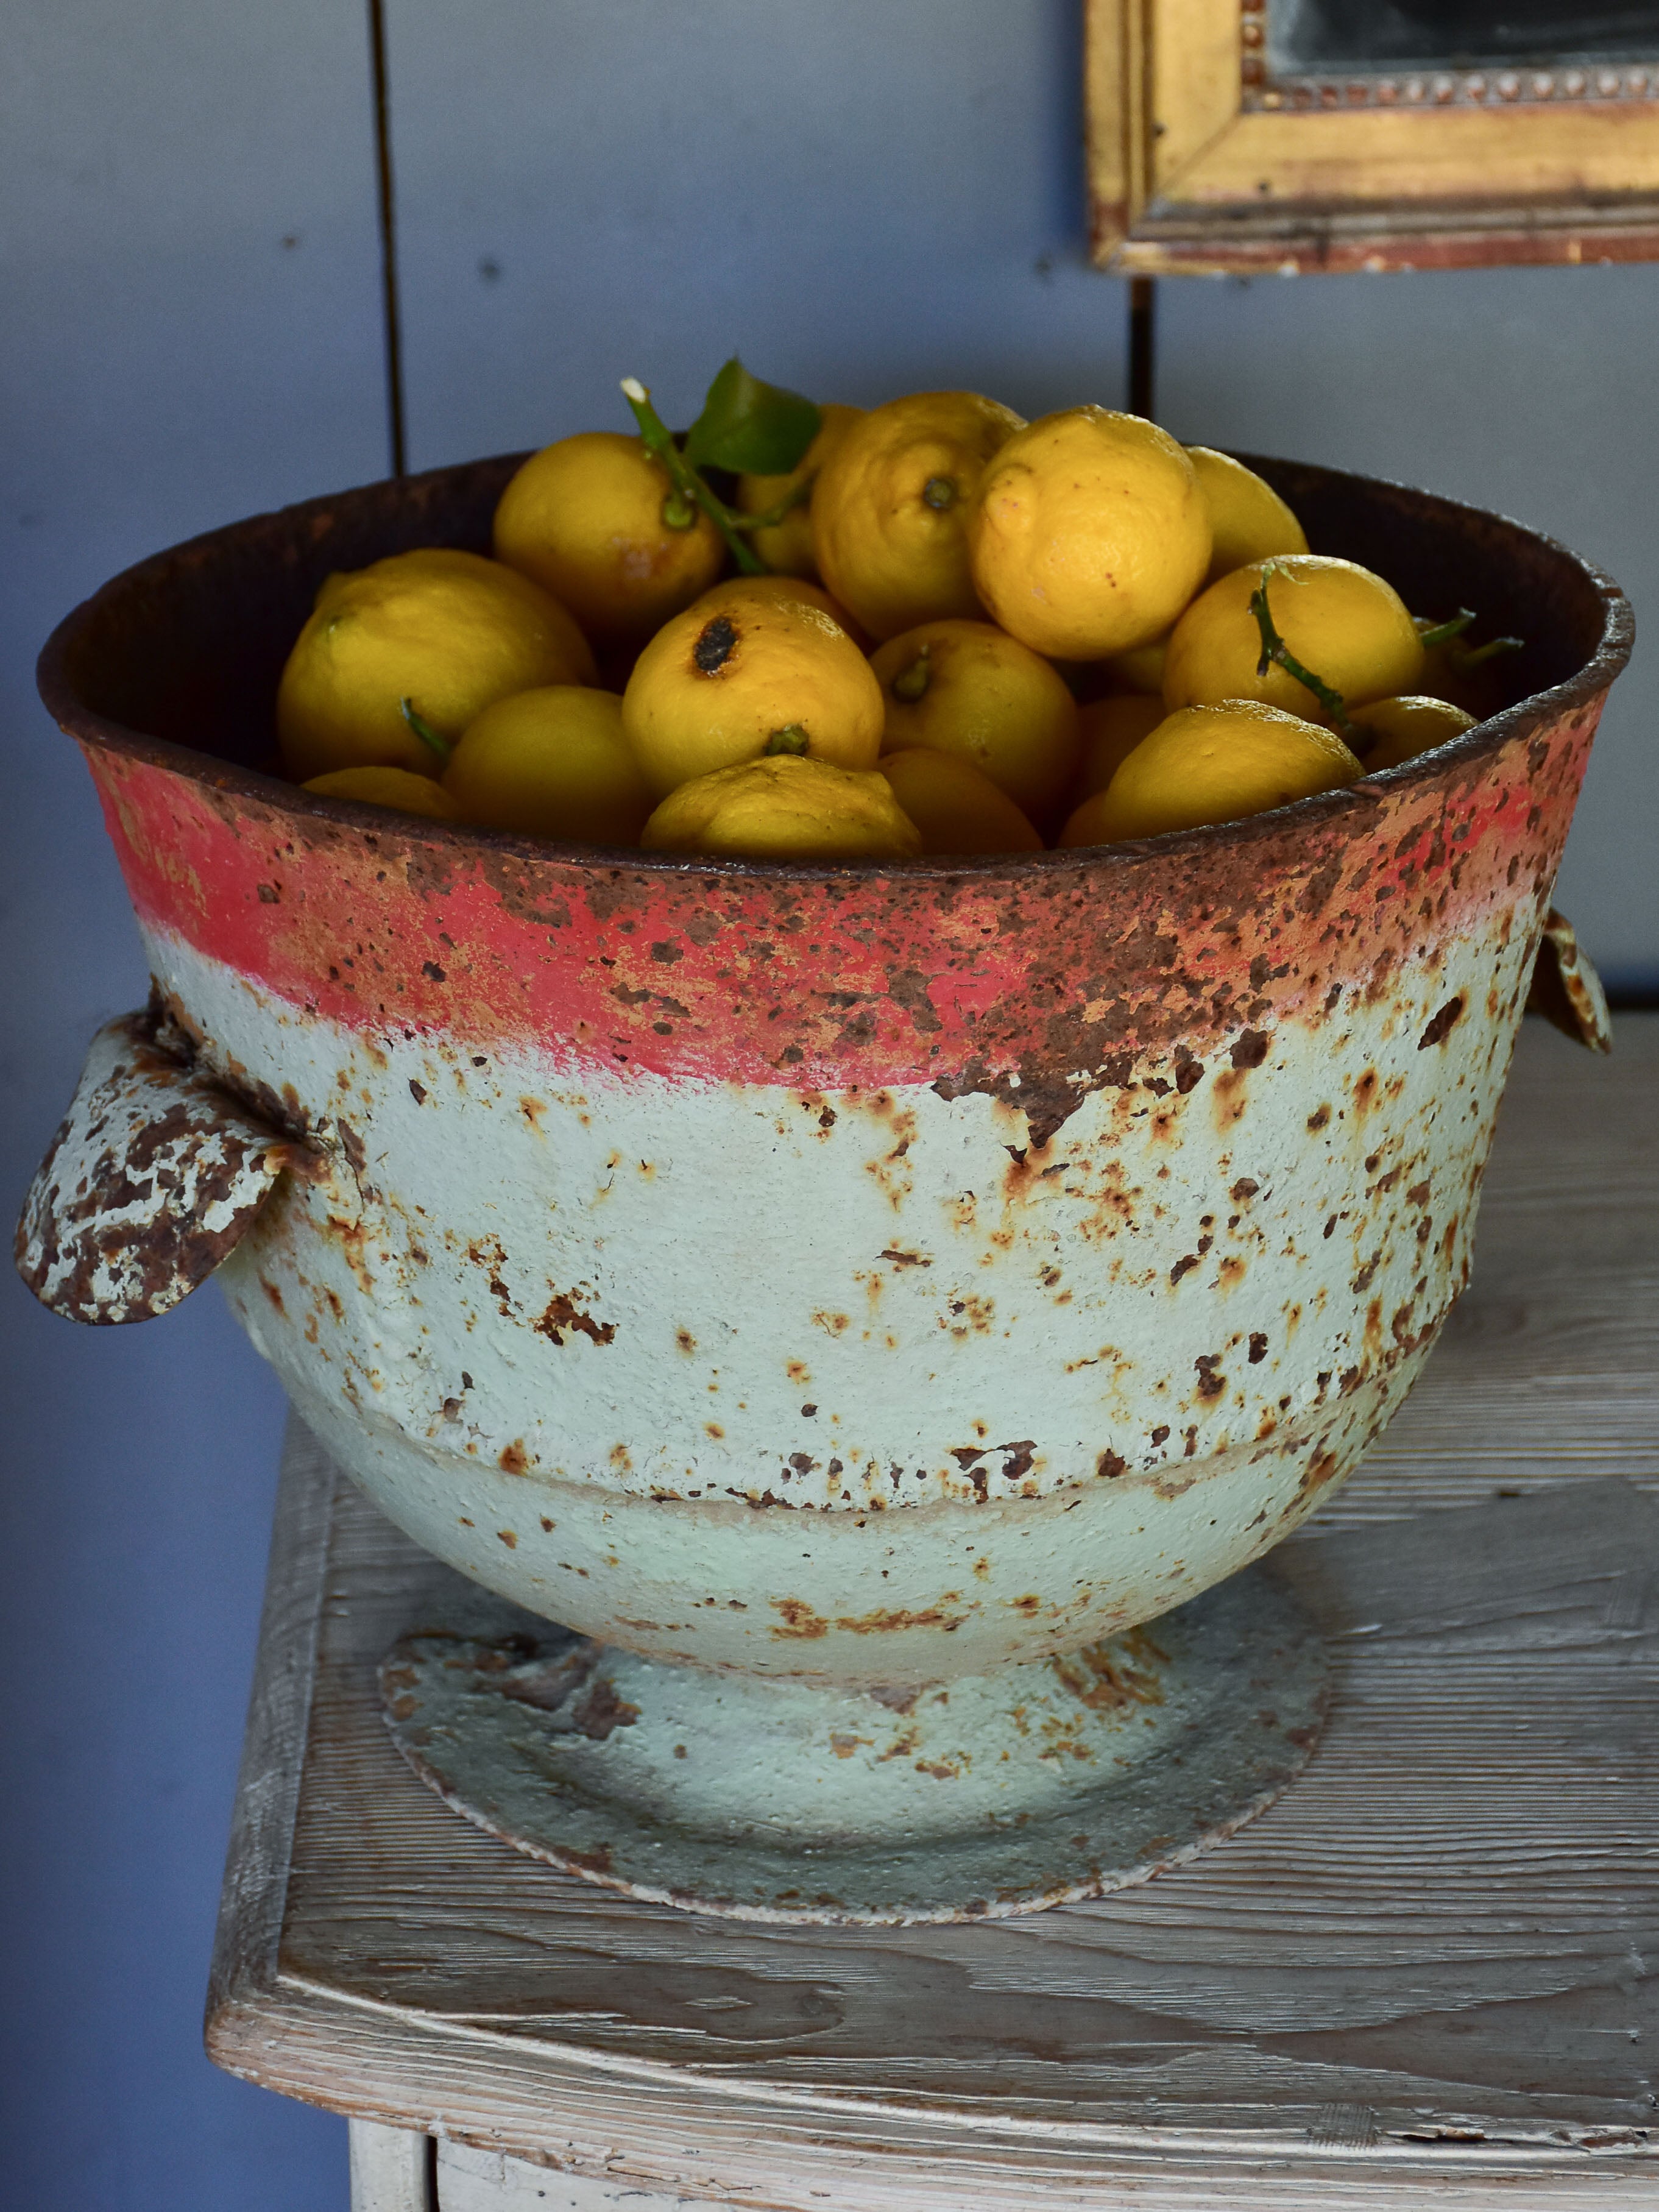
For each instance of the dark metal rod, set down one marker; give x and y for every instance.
(388, 207)
(1143, 346)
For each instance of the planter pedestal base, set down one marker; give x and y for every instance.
(792, 1800)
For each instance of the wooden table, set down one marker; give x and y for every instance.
(1420, 1978)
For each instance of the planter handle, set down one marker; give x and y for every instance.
(1566, 987)
(153, 1178)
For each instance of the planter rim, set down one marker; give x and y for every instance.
(1350, 804)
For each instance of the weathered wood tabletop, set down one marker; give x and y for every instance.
(1420, 1978)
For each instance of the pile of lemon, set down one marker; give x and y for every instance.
(970, 635)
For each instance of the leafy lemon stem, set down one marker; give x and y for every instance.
(1273, 648)
(1443, 633)
(1465, 657)
(659, 442)
(424, 730)
(774, 515)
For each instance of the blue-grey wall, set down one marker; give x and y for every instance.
(863, 198)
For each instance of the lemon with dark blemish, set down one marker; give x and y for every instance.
(1208, 764)
(595, 520)
(452, 631)
(551, 763)
(786, 807)
(891, 507)
(803, 589)
(744, 674)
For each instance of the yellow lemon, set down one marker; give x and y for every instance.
(1089, 534)
(741, 674)
(448, 630)
(955, 805)
(1141, 670)
(788, 808)
(551, 763)
(1213, 764)
(596, 521)
(1401, 728)
(890, 506)
(1110, 729)
(787, 547)
(968, 688)
(1249, 520)
(799, 588)
(1343, 624)
(387, 786)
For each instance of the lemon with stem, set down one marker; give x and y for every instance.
(450, 630)
(891, 507)
(743, 674)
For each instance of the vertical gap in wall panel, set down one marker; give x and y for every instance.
(393, 329)
(1143, 346)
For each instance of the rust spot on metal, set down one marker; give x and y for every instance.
(602, 1711)
(564, 1313)
(1443, 1024)
(1251, 1049)
(1110, 1465)
(1212, 1382)
(1107, 1677)
(885, 1619)
(514, 1459)
(799, 1621)
(1319, 1117)
(895, 1700)
(1258, 1347)
(1317, 1473)
(508, 1537)
(906, 1259)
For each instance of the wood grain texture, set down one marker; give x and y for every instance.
(1419, 1978)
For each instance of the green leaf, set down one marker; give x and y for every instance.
(751, 428)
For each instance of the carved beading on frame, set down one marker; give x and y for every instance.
(1509, 85)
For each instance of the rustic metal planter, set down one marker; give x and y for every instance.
(863, 1277)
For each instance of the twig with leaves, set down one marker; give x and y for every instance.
(1274, 650)
(747, 428)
